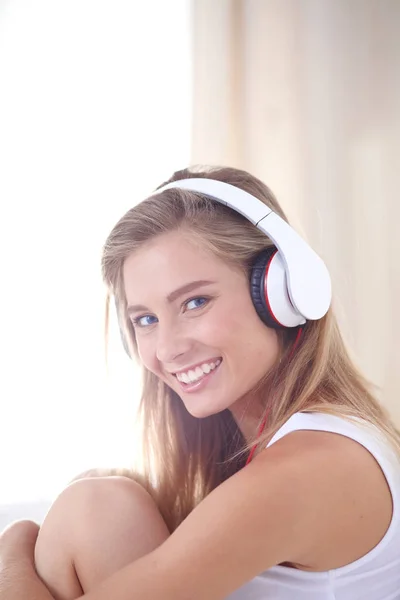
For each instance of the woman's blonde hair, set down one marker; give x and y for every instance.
(184, 458)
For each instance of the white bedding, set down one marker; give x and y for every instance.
(34, 511)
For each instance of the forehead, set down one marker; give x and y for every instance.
(168, 261)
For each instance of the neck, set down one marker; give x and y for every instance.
(248, 412)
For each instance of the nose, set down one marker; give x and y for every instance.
(172, 343)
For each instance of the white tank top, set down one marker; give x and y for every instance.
(375, 576)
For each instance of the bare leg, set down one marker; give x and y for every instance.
(94, 528)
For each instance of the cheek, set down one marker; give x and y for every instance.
(225, 329)
(237, 315)
(239, 331)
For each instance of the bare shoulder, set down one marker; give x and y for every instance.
(345, 483)
(313, 500)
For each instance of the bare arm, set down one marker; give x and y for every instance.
(310, 497)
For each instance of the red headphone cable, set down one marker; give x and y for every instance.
(265, 419)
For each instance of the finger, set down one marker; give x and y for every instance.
(18, 540)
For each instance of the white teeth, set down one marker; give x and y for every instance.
(195, 374)
(192, 375)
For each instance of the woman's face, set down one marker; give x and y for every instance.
(195, 324)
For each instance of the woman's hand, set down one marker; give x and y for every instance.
(17, 572)
(17, 543)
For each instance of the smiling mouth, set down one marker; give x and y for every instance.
(193, 376)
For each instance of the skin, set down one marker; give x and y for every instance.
(206, 323)
(104, 537)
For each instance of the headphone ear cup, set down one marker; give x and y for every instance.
(270, 293)
(257, 287)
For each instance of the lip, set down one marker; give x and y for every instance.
(193, 367)
(199, 385)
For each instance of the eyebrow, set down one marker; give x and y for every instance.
(184, 289)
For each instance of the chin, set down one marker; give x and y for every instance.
(201, 410)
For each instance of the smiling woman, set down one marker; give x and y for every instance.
(181, 332)
(270, 470)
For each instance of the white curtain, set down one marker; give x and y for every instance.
(95, 112)
(305, 94)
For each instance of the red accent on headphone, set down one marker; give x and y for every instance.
(265, 419)
(266, 293)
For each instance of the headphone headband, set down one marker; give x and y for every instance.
(308, 280)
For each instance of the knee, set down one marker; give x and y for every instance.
(99, 525)
(116, 503)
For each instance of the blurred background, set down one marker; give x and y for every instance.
(99, 103)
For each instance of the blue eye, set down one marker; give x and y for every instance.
(144, 321)
(196, 302)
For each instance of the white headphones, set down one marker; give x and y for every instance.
(290, 284)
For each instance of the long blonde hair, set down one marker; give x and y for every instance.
(184, 458)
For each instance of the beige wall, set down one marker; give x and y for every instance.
(306, 95)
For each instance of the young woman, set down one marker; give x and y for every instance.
(270, 470)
